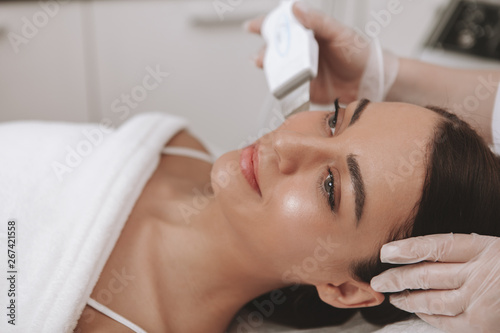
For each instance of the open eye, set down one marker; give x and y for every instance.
(332, 122)
(329, 187)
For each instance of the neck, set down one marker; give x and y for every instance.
(207, 271)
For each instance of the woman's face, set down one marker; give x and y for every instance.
(326, 200)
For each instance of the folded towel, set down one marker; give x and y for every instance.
(69, 188)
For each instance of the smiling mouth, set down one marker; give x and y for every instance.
(249, 162)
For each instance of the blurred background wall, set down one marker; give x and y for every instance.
(111, 59)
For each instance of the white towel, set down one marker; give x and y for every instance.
(70, 188)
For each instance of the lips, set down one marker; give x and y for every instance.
(249, 162)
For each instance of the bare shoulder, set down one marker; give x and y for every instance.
(186, 167)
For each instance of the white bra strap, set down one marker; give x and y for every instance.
(188, 152)
(111, 314)
(495, 123)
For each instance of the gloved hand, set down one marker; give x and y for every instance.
(349, 67)
(461, 282)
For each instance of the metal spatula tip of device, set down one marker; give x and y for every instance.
(296, 101)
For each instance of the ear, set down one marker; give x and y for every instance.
(350, 294)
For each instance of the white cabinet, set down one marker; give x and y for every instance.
(42, 73)
(211, 79)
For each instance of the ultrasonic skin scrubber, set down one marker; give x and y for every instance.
(291, 58)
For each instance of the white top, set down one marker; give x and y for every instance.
(111, 314)
(180, 151)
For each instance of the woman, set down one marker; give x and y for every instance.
(461, 299)
(311, 202)
(320, 205)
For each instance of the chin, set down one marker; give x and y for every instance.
(226, 173)
(233, 194)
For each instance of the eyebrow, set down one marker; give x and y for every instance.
(354, 170)
(359, 110)
(358, 184)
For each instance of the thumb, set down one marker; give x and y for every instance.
(323, 26)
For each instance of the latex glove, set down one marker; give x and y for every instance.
(349, 67)
(461, 283)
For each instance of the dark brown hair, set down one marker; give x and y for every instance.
(460, 194)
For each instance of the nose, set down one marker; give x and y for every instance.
(298, 151)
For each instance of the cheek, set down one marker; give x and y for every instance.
(295, 221)
(295, 206)
(290, 206)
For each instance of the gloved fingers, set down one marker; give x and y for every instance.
(323, 26)
(259, 58)
(431, 302)
(419, 276)
(254, 25)
(441, 247)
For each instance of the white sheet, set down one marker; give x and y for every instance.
(355, 325)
